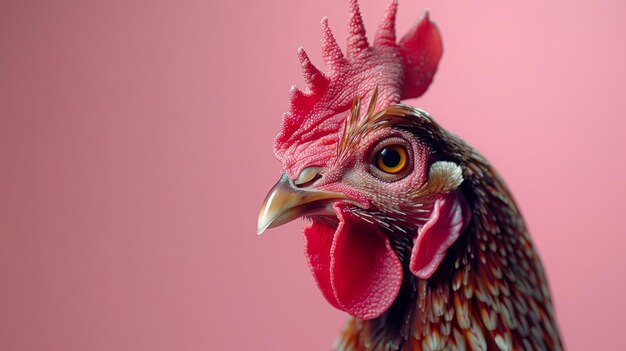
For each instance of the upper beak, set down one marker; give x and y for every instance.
(285, 202)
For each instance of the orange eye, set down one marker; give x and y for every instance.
(392, 159)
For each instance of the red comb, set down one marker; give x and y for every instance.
(310, 130)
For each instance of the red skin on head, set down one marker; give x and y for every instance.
(353, 264)
(404, 70)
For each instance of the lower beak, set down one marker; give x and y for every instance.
(285, 202)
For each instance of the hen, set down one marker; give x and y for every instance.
(409, 229)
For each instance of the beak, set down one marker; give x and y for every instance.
(285, 202)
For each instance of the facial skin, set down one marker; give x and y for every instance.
(374, 208)
(359, 175)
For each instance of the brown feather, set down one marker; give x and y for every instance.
(490, 293)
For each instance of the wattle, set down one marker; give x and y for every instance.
(354, 265)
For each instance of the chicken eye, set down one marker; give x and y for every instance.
(392, 159)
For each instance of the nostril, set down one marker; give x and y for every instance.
(315, 178)
(308, 177)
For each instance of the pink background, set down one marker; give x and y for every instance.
(135, 150)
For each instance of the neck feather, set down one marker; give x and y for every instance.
(490, 293)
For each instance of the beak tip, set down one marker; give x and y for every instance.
(261, 226)
(285, 203)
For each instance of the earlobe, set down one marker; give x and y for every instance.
(450, 215)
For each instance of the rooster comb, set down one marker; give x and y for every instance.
(399, 70)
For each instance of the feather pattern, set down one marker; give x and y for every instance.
(490, 293)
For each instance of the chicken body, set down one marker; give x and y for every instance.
(409, 230)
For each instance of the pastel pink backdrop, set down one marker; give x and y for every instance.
(135, 150)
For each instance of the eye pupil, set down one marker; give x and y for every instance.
(390, 157)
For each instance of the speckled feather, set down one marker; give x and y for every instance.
(490, 293)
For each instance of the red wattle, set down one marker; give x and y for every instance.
(318, 239)
(366, 274)
(358, 272)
